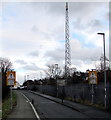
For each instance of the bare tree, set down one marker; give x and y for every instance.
(100, 66)
(50, 71)
(53, 72)
(59, 73)
(5, 65)
(72, 71)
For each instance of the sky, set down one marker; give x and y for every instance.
(32, 35)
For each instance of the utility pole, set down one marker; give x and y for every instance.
(67, 45)
(105, 96)
(56, 76)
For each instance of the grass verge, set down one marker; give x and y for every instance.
(6, 105)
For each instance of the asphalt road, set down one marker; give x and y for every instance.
(50, 109)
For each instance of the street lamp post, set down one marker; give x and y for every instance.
(104, 68)
(56, 74)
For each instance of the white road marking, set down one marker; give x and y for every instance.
(36, 114)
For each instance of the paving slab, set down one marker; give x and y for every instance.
(23, 109)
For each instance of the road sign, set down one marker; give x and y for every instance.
(10, 78)
(61, 82)
(93, 77)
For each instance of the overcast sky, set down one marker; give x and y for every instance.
(33, 35)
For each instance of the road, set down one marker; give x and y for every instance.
(50, 109)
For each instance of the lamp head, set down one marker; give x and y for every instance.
(100, 33)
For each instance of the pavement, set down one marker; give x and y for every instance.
(23, 108)
(92, 112)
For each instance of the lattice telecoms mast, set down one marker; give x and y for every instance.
(67, 44)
